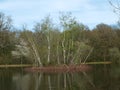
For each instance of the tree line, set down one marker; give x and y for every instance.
(49, 44)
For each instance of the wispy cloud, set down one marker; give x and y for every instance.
(87, 11)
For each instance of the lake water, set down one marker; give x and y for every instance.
(101, 77)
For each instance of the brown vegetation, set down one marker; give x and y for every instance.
(60, 69)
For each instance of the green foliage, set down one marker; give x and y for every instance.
(102, 39)
(49, 44)
(7, 43)
(115, 58)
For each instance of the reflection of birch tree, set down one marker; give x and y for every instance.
(58, 81)
(49, 83)
(38, 81)
(89, 80)
(65, 81)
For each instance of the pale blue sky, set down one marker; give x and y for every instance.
(88, 12)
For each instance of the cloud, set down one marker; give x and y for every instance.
(65, 5)
(86, 11)
(45, 5)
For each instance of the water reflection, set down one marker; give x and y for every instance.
(65, 81)
(5, 79)
(100, 78)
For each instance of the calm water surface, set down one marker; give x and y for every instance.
(102, 77)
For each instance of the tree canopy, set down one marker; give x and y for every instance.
(46, 44)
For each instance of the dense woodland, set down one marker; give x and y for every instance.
(70, 42)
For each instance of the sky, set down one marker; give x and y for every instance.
(88, 12)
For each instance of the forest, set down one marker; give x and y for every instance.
(69, 42)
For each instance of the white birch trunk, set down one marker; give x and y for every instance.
(58, 59)
(64, 51)
(68, 52)
(35, 52)
(75, 56)
(88, 55)
(49, 47)
(64, 56)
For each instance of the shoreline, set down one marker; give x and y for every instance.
(60, 68)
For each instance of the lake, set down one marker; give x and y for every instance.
(101, 77)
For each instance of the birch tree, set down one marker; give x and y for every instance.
(66, 22)
(45, 27)
(33, 45)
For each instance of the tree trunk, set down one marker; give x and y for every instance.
(33, 46)
(49, 47)
(58, 59)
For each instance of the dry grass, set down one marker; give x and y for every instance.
(30, 65)
(15, 65)
(108, 62)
